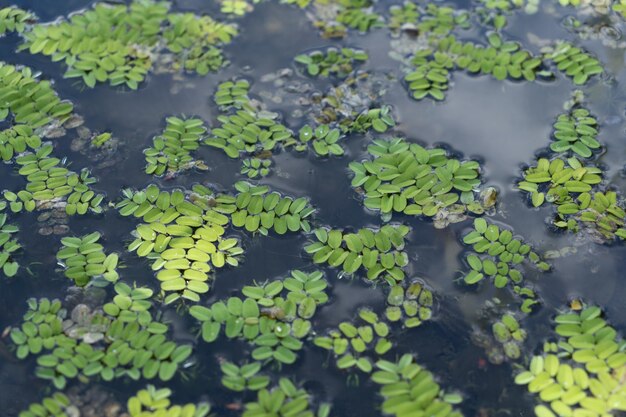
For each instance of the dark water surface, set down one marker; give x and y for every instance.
(503, 124)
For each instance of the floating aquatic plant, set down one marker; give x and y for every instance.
(284, 400)
(249, 132)
(431, 20)
(497, 253)
(583, 372)
(412, 305)
(379, 119)
(332, 61)
(153, 402)
(29, 101)
(50, 184)
(14, 19)
(236, 7)
(118, 43)
(133, 344)
(378, 252)
(323, 138)
(500, 334)
(100, 140)
(232, 94)
(171, 150)
(259, 210)
(84, 259)
(17, 139)
(408, 388)
(256, 167)
(576, 131)
(357, 346)
(274, 317)
(56, 405)
(573, 188)
(245, 377)
(405, 177)
(509, 334)
(501, 59)
(184, 236)
(573, 61)
(8, 246)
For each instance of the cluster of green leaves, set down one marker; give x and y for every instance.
(352, 346)
(412, 305)
(184, 236)
(100, 140)
(574, 62)
(404, 177)
(431, 20)
(497, 255)
(508, 333)
(8, 246)
(30, 101)
(54, 406)
(195, 41)
(576, 131)
(248, 131)
(342, 15)
(573, 188)
(285, 400)
(583, 372)
(153, 402)
(256, 167)
(17, 139)
(235, 7)
(379, 119)
(134, 345)
(48, 181)
(232, 94)
(274, 317)
(117, 43)
(258, 210)
(14, 19)
(324, 139)
(245, 377)
(84, 259)
(332, 61)
(619, 7)
(171, 150)
(378, 252)
(500, 59)
(408, 389)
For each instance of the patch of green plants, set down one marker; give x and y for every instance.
(171, 150)
(55, 405)
(497, 255)
(100, 140)
(508, 333)
(119, 43)
(574, 189)
(379, 119)
(14, 19)
(29, 101)
(411, 305)
(404, 177)
(323, 138)
(8, 246)
(407, 387)
(256, 167)
(576, 131)
(431, 20)
(153, 402)
(244, 377)
(356, 345)
(274, 317)
(574, 62)
(50, 184)
(17, 139)
(259, 210)
(232, 94)
(183, 236)
(284, 400)
(133, 344)
(332, 61)
(84, 259)
(235, 7)
(582, 373)
(378, 252)
(249, 132)
(500, 59)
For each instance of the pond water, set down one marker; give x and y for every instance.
(504, 125)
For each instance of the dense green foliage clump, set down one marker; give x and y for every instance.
(14, 19)
(332, 62)
(84, 259)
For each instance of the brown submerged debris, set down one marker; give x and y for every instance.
(94, 401)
